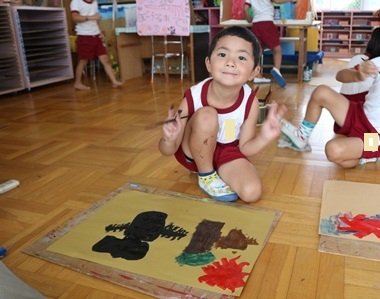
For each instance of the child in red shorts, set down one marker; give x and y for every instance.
(352, 120)
(90, 40)
(266, 32)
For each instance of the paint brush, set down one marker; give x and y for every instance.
(170, 120)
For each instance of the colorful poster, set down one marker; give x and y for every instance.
(163, 17)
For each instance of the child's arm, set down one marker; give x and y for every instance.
(172, 132)
(250, 143)
(359, 73)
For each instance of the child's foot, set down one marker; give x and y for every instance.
(214, 187)
(293, 134)
(116, 84)
(81, 86)
(285, 142)
(278, 77)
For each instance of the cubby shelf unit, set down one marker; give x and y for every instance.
(44, 44)
(11, 78)
(345, 33)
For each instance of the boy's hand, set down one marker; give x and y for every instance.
(271, 127)
(170, 130)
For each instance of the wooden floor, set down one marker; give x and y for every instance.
(69, 149)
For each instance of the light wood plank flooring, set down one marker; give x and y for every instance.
(71, 148)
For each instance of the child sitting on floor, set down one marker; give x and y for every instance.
(214, 129)
(352, 120)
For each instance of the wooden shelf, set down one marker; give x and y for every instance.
(11, 78)
(345, 33)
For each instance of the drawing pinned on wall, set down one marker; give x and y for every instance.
(351, 211)
(162, 17)
(195, 249)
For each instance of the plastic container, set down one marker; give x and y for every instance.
(277, 13)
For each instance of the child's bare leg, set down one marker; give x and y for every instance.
(78, 75)
(344, 151)
(325, 97)
(109, 71)
(322, 97)
(243, 178)
(199, 142)
(200, 138)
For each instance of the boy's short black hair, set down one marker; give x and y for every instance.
(373, 45)
(243, 33)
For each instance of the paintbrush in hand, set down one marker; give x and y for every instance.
(170, 120)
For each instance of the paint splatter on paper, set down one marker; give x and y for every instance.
(359, 225)
(225, 274)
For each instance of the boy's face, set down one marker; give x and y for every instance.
(231, 62)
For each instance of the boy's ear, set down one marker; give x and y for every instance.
(255, 72)
(207, 62)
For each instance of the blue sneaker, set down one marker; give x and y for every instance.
(216, 188)
(278, 77)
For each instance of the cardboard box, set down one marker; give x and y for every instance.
(343, 36)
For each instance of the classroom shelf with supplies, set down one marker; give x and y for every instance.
(345, 33)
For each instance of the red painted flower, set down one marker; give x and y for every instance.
(226, 274)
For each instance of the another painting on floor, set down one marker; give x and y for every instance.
(351, 211)
(195, 243)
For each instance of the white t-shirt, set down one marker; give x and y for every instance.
(230, 119)
(356, 87)
(372, 100)
(263, 10)
(86, 9)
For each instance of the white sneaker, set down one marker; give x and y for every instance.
(216, 188)
(363, 161)
(285, 142)
(293, 134)
(261, 80)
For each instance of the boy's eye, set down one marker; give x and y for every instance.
(222, 54)
(242, 58)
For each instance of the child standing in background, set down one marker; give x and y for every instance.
(217, 130)
(90, 40)
(266, 31)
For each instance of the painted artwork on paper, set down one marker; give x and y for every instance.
(350, 210)
(213, 248)
(162, 17)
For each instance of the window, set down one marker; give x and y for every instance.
(347, 5)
